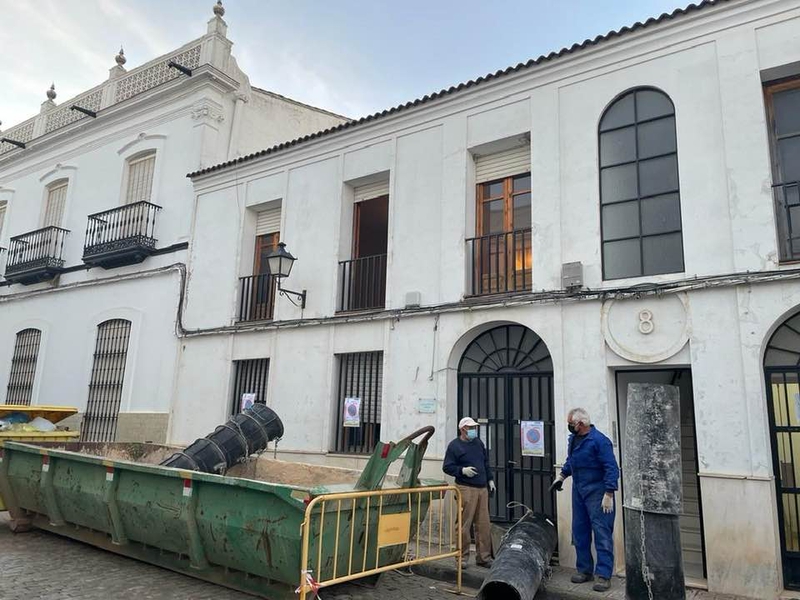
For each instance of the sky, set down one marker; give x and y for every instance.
(353, 57)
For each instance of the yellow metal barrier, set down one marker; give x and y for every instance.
(394, 530)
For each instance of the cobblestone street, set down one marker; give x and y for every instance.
(39, 565)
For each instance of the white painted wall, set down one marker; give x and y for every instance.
(711, 66)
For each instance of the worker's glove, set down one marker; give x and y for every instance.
(557, 485)
(469, 472)
(492, 487)
(608, 503)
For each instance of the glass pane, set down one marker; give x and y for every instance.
(789, 150)
(493, 217)
(492, 190)
(621, 220)
(621, 259)
(657, 137)
(658, 175)
(661, 214)
(651, 104)
(618, 146)
(618, 114)
(618, 183)
(662, 254)
(522, 183)
(522, 211)
(787, 111)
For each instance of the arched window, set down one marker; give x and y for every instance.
(139, 184)
(640, 210)
(23, 367)
(105, 386)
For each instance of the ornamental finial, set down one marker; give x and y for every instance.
(51, 93)
(219, 10)
(120, 58)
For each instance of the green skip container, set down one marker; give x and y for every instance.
(242, 530)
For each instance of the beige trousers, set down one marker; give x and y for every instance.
(475, 509)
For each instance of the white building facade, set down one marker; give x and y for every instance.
(95, 220)
(533, 241)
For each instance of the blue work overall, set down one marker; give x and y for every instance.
(591, 463)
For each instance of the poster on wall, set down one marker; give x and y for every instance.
(247, 401)
(532, 436)
(352, 412)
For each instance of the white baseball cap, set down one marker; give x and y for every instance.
(467, 422)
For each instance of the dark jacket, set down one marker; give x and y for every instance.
(462, 454)
(591, 463)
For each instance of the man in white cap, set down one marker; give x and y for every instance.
(466, 459)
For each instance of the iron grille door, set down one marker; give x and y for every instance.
(250, 377)
(360, 376)
(105, 387)
(23, 367)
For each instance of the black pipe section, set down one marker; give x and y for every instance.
(244, 434)
(522, 560)
(663, 564)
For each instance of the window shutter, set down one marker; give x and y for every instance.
(54, 209)
(503, 164)
(370, 191)
(140, 179)
(2, 216)
(268, 221)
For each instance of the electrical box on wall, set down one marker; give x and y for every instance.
(413, 299)
(572, 276)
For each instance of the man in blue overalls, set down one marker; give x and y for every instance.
(591, 463)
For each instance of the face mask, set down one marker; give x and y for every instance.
(572, 429)
(472, 434)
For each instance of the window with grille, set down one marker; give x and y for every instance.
(783, 109)
(54, 205)
(361, 377)
(140, 178)
(249, 377)
(107, 378)
(23, 367)
(640, 209)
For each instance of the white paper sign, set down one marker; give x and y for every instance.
(532, 436)
(248, 400)
(352, 412)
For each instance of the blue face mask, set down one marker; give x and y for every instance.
(472, 434)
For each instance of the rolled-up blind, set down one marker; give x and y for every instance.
(503, 164)
(370, 191)
(268, 221)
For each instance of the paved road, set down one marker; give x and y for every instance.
(38, 565)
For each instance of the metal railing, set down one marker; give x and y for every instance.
(257, 297)
(122, 227)
(362, 283)
(787, 199)
(42, 248)
(501, 263)
(394, 523)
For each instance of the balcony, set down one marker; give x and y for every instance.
(257, 297)
(362, 283)
(501, 263)
(36, 256)
(121, 236)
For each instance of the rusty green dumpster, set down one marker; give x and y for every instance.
(235, 531)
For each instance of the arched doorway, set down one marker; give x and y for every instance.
(505, 376)
(782, 372)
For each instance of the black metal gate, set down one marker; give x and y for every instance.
(782, 372)
(505, 377)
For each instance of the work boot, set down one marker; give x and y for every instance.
(487, 564)
(602, 585)
(464, 563)
(581, 577)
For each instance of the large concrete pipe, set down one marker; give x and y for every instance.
(651, 477)
(244, 434)
(522, 560)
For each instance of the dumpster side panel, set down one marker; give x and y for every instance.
(79, 491)
(24, 475)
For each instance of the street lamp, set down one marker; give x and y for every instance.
(280, 265)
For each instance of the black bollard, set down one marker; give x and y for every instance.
(651, 478)
(522, 560)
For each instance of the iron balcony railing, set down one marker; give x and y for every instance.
(118, 229)
(787, 200)
(40, 249)
(257, 297)
(362, 283)
(501, 263)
